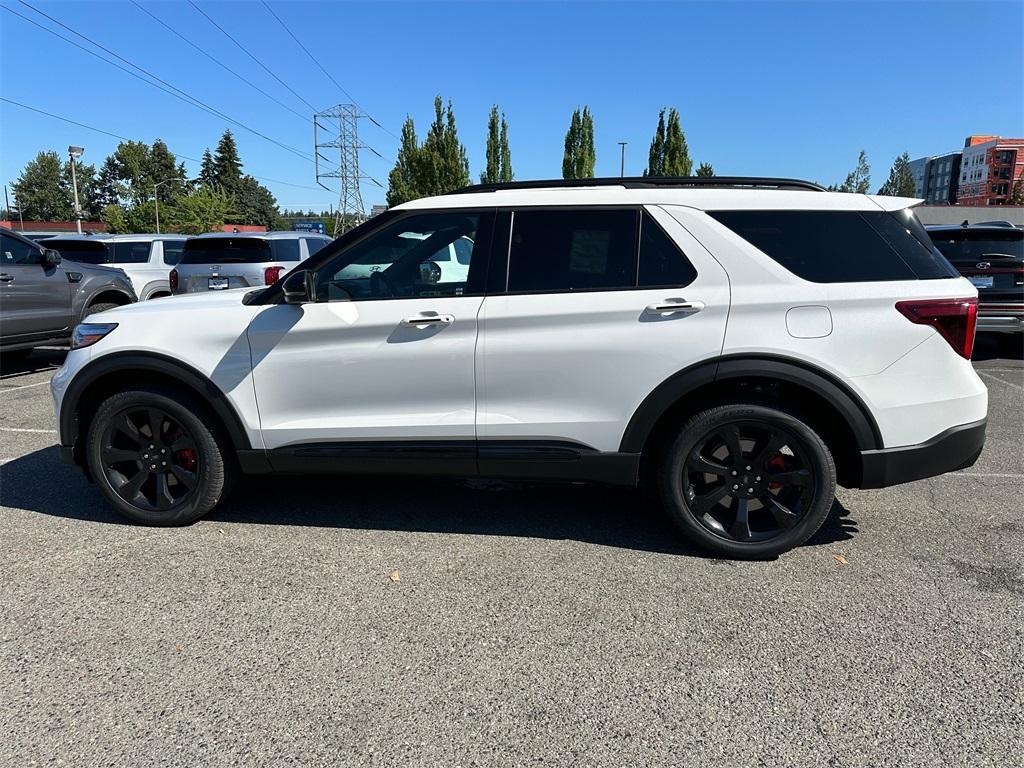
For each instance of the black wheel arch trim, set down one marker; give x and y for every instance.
(157, 363)
(679, 385)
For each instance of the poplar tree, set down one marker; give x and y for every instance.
(579, 157)
(492, 171)
(677, 154)
(402, 179)
(506, 153)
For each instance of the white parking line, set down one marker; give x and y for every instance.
(1001, 381)
(982, 474)
(36, 431)
(24, 386)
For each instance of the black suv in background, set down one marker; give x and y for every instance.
(990, 255)
(42, 297)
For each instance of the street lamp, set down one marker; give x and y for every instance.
(75, 152)
(156, 199)
(622, 162)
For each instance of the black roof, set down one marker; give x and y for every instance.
(649, 182)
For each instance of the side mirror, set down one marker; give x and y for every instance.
(299, 287)
(430, 272)
(51, 258)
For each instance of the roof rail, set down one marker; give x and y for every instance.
(648, 182)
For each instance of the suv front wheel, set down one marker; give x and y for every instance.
(155, 458)
(748, 481)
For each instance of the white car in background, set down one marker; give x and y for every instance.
(146, 259)
(450, 264)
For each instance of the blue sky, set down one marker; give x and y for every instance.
(764, 88)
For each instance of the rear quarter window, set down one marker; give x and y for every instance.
(839, 246)
(285, 250)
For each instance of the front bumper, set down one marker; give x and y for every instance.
(955, 448)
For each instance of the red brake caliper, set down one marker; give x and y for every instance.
(186, 457)
(776, 463)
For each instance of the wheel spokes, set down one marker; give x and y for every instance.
(783, 515)
(730, 435)
(129, 489)
(113, 455)
(155, 419)
(704, 502)
(183, 476)
(697, 463)
(768, 448)
(792, 477)
(740, 529)
(125, 426)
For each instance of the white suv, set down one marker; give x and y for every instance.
(744, 344)
(146, 259)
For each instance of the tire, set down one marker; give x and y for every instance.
(120, 447)
(94, 308)
(728, 503)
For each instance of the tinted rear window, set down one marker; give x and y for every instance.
(130, 253)
(227, 250)
(839, 246)
(662, 264)
(82, 251)
(977, 246)
(172, 251)
(572, 250)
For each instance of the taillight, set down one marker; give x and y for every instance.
(271, 274)
(173, 280)
(955, 319)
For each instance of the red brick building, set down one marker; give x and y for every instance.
(989, 167)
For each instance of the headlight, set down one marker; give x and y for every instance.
(87, 334)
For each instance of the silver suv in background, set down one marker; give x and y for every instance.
(146, 259)
(219, 261)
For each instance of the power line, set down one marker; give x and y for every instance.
(216, 61)
(329, 75)
(246, 52)
(125, 138)
(188, 99)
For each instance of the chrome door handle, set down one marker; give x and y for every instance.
(675, 307)
(428, 319)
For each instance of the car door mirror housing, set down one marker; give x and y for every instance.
(299, 287)
(50, 258)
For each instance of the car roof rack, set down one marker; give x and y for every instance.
(649, 182)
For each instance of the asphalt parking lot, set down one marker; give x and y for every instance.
(382, 622)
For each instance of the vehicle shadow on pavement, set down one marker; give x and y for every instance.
(42, 359)
(591, 513)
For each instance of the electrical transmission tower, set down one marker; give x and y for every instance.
(346, 140)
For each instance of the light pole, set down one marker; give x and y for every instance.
(622, 162)
(75, 152)
(156, 200)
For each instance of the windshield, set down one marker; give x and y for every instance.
(82, 251)
(975, 246)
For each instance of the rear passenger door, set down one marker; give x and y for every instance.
(588, 310)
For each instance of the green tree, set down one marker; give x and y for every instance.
(669, 154)
(499, 157)
(656, 154)
(109, 189)
(206, 209)
(402, 179)
(705, 169)
(256, 204)
(580, 155)
(437, 166)
(859, 179)
(677, 153)
(113, 216)
(492, 169)
(207, 170)
(227, 164)
(88, 188)
(41, 191)
(901, 181)
(1017, 193)
(505, 174)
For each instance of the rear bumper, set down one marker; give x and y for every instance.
(1003, 317)
(955, 448)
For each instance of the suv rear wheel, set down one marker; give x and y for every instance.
(156, 459)
(748, 480)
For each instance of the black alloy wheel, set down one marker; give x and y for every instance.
(150, 460)
(748, 480)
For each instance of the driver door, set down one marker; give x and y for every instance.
(381, 365)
